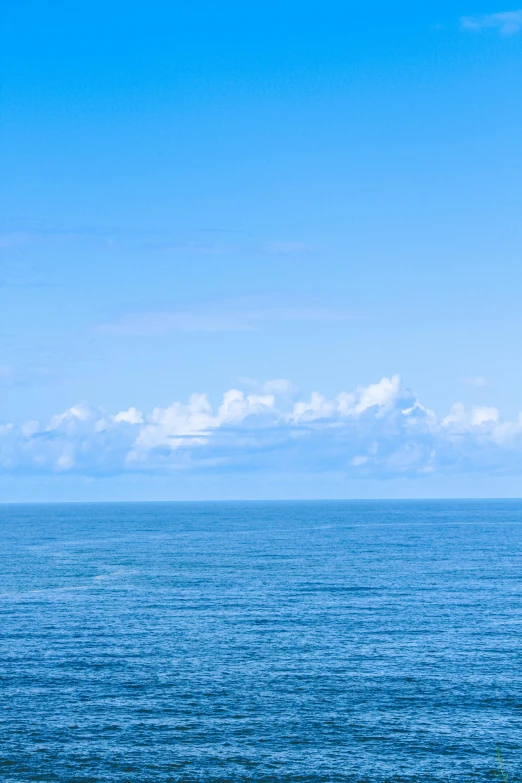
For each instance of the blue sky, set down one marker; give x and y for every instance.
(206, 197)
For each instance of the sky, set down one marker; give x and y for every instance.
(260, 250)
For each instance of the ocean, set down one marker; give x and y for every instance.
(281, 641)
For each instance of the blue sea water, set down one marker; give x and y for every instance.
(320, 641)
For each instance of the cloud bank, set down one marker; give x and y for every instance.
(377, 431)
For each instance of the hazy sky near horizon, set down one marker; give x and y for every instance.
(290, 205)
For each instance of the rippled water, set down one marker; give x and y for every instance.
(260, 641)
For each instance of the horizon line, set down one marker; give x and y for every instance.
(259, 500)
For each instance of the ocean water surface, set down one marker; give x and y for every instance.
(310, 642)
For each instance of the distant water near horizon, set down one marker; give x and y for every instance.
(296, 641)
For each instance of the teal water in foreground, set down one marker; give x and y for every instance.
(375, 641)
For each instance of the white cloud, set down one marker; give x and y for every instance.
(382, 394)
(317, 408)
(280, 387)
(226, 316)
(290, 248)
(30, 428)
(481, 415)
(6, 374)
(506, 22)
(464, 419)
(476, 380)
(378, 431)
(131, 416)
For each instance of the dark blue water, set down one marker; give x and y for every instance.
(260, 642)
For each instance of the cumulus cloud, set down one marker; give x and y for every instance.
(378, 431)
(506, 22)
(131, 416)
